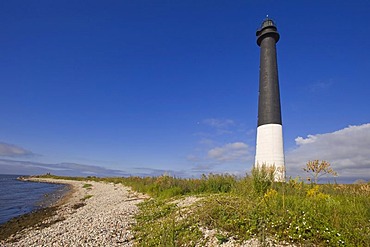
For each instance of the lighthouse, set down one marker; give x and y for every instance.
(269, 141)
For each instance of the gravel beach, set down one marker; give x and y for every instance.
(91, 214)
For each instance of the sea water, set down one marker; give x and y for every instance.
(20, 197)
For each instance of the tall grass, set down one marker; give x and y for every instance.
(166, 186)
(250, 207)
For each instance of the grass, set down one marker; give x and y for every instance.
(87, 186)
(248, 207)
(86, 197)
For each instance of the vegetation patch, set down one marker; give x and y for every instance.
(87, 186)
(251, 207)
(161, 223)
(86, 197)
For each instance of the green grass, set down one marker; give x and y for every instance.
(87, 186)
(86, 197)
(158, 224)
(249, 207)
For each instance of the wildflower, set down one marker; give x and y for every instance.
(271, 193)
(313, 191)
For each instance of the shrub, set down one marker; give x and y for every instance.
(317, 169)
(263, 178)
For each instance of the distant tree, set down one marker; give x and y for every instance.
(318, 168)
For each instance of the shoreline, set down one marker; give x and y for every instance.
(46, 208)
(97, 208)
(43, 208)
(54, 198)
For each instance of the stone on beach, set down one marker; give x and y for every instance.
(104, 219)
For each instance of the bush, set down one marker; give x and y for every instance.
(263, 178)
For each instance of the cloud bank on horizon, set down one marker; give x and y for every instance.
(11, 150)
(346, 149)
(230, 152)
(21, 167)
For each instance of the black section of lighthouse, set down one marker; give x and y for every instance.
(269, 143)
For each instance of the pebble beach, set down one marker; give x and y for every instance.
(94, 214)
(91, 214)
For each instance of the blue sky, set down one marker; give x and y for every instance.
(144, 87)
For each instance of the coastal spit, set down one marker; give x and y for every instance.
(92, 214)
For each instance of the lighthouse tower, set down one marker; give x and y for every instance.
(269, 146)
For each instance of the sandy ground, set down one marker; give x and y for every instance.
(98, 214)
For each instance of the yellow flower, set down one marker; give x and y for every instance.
(271, 193)
(313, 191)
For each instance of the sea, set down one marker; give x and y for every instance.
(21, 197)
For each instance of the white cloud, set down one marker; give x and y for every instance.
(11, 150)
(207, 142)
(193, 158)
(348, 151)
(237, 151)
(218, 123)
(203, 168)
(321, 85)
(301, 141)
